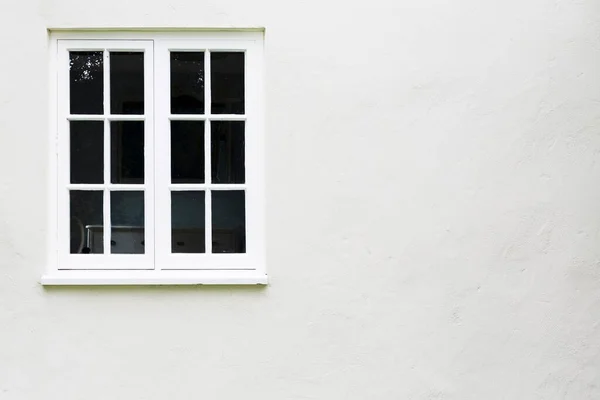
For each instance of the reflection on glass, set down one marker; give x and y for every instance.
(187, 222)
(86, 82)
(87, 151)
(187, 82)
(187, 151)
(127, 152)
(127, 222)
(86, 222)
(228, 221)
(227, 82)
(227, 152)
(127, 82)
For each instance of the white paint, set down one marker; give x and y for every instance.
(432, 213)
(158, 277)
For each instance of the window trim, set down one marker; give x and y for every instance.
(247, 268)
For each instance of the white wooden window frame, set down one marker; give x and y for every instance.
(157, 265)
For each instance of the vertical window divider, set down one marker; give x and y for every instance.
(152, 78)
(207, 153)
(162, 154)
(106, 192)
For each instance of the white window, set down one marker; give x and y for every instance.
(157, 172)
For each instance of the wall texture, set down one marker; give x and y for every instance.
(433, 213)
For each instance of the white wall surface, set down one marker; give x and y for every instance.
(433, 217)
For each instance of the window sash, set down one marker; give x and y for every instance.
(105, 260)
(164, 258)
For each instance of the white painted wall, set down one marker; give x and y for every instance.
(433, 213)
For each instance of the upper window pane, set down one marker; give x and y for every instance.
(127, 82)
(187, 82)
(227, 83)
(86, 82)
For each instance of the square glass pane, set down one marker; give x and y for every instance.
(86, 222)
(127, 222)
(187, 151)
(127, 152)
(228, 221)
(86, 82)
(127, 82)
(87, 151)
(227, 82)
(187, 82)
(188, 222)
(227, 152)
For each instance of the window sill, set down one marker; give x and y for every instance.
(204, 277)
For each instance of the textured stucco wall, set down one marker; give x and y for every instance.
(433, 213)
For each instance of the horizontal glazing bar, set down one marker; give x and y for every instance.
(173, 117)
(100, 186)
(187, 117)
(82, 117)
(202, 117)
(202, 186)
(126, 117)
(92, 117)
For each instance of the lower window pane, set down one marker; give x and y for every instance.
(127, 222)
(86, 221)
(187, 222)
(228, 221)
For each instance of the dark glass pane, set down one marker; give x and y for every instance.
(187, 222)
(126, 83)
(87, 151)
(86, 222)
(127, 152)
(127, 222)
(228, 221)
(227, 83)
(187, 151)
(227, 152)
(86, 82)
(187, 82)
